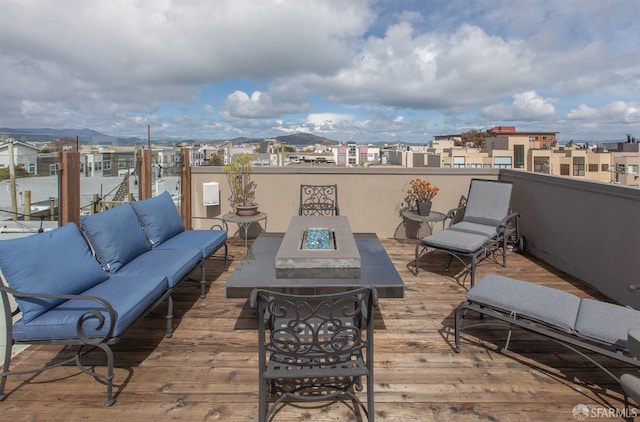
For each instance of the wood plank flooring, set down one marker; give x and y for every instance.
(208, 370)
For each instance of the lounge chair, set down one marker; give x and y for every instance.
(314, 347)
(486, 226)
(578, 324)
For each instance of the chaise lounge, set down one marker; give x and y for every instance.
(578, 324)
(485, 227)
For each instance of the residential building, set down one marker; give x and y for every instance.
(24, 154)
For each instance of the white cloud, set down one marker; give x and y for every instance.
(258, 105)
(618, 111)
(119, 65)
(527, 106)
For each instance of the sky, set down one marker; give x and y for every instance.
(362, 70)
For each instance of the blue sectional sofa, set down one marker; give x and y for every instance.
(88, 287)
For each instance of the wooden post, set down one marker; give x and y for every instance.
(69, 180)
(27, 205)
(185, 186)
(12, 180)
(145, 174)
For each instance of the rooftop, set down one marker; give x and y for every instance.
(208, 369)
(578, 234)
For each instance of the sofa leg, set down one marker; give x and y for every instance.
(203, 281)
(169, 332)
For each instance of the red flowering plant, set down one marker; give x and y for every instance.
(420, 191)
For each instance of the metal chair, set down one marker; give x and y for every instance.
(318, 200)
(314, 348)
(485, 227)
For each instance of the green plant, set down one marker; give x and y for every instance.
(243, 189)
(420, 191)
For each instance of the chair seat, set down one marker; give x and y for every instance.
(282, 367)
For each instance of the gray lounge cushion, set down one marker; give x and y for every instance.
(541, 303)
(461, 237)
(488, 202)
(116, 236)
(59, 262)
(606, 322)
(159, 217)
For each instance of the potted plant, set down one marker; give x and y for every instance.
(420, 194)
(243, 189)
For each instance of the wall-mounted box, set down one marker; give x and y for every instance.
(210, 193)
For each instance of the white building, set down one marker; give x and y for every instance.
(23, 154)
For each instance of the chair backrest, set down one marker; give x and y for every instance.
(317, 329)
(488, 202)
(318, 200)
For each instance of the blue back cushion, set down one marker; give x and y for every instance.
(159, 217)
(115, 235)
(54, 262)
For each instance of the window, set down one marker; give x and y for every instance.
(533, 138)
(502, 162)
(547, 138)
(97, 165)
(458, 162)
(578, 169)
(53, 169)
(564, 169)
(518, 156)
(632, 169)
(593, 168)
(32, 167)
(107, 164)
(604, 167)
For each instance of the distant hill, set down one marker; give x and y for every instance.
(86, 136)
(305, 139)
(92, 137)
(298, 139)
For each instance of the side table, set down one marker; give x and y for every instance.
(244, 221)
(431, 219)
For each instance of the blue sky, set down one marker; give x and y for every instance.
(378, 70)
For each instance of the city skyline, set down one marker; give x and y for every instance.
(371, 71)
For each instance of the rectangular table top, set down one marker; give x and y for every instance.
(257, 270)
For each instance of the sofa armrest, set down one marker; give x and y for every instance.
(219, 223)
(97, 312)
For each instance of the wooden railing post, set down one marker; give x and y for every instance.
(145, 173)
(185, 186)
(27, 205)
(69, 179)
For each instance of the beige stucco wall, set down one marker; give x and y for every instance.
(370, 197)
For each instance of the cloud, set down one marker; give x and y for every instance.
(259, 105)
(527, 106)
(619, 111)
(214, 68)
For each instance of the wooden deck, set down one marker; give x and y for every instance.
(208, 369)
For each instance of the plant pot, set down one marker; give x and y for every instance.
(424, 208)
(248, 210)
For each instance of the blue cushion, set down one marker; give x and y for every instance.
(174, 264)
(129, 297)
(159, 217)
(115, 235)
(54, 262)
(206, 241)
